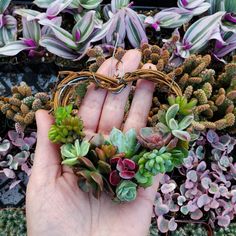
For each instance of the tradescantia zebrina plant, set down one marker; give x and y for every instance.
(70, 4)
(118, 165)
(199, 34)
(8, 24)
(71, 45)
(122, 22)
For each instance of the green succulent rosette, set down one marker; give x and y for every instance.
(126, 191)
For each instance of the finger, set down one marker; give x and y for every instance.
(114, 106)
(141, 103)
(47, 154)
(92, 103)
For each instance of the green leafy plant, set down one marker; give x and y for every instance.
(71, 153)
(125, 142)
(158, 161)
(67, 128)
(169, 124)
(185, 107)
(12, 222)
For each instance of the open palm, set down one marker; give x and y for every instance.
(55, 205)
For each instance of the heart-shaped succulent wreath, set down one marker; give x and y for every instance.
(123, 162)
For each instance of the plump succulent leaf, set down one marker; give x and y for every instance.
(186, 122)
(126, 143)
(171, 113)
(182, 135)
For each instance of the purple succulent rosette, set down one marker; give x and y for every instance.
(123, 162)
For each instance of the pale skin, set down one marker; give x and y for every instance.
(54, 203)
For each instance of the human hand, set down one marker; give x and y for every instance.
(54, 203)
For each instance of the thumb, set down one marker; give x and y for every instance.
(47, 155)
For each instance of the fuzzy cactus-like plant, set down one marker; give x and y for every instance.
(12, 222)
(229, 231)
(21, 107)
(190, 230)
(213, 95)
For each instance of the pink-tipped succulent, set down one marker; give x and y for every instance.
(125, 169)
(153, 138)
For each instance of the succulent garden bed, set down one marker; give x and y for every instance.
(187, 53)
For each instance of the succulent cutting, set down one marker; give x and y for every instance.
(119, 165)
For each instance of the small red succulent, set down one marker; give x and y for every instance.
(124, 169)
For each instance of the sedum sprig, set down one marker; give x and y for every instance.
(67, 128)
(158, 161)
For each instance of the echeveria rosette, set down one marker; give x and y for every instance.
(124, 169)
(72, 152)
(105, 152)
(126, 191)
(153, 138)
(8, 25)
(122, 21)
(197, 7)
(125, 142)
(199, 34)
(169, 123)
(169, 18)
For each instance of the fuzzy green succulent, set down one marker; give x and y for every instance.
(229, 231)
(153, 230)
(12, 222)
(171, 122)
(67, 128)
(190, 230)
